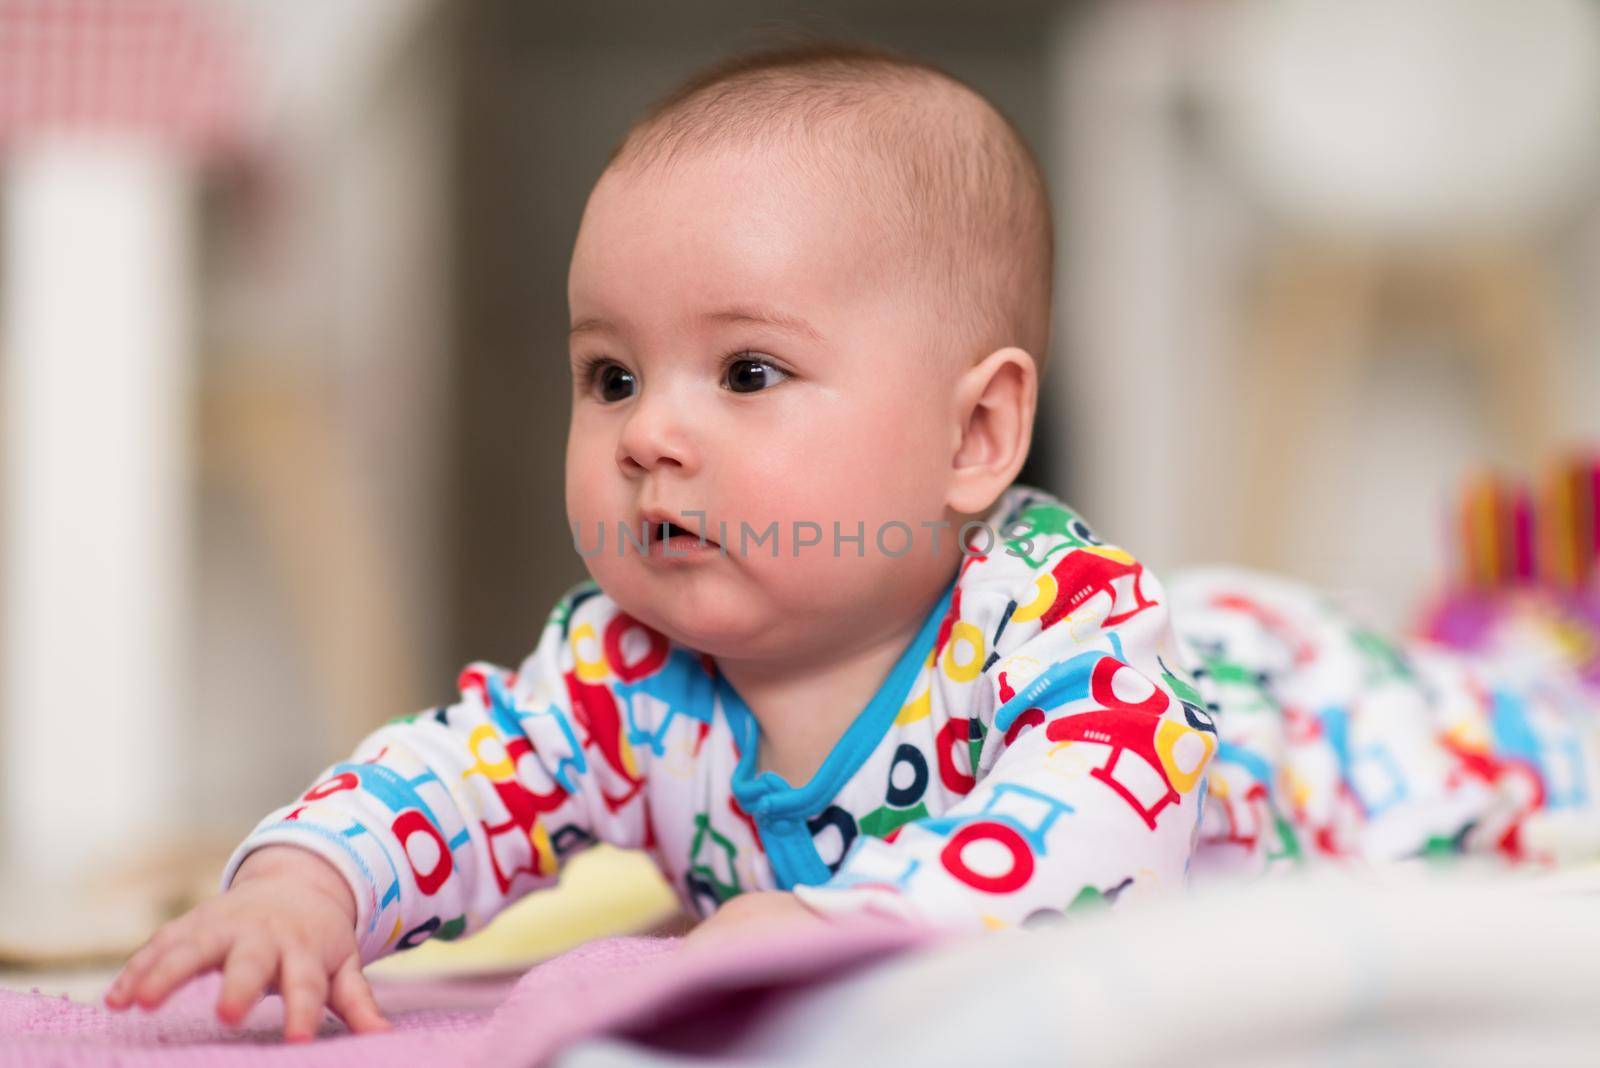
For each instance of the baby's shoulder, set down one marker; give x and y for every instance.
(1048, 591)
(591, 636)
(627, 682)
(1032, 541)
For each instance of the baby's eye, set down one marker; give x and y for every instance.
(749, 374)
(613, 382)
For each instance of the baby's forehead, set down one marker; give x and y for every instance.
(878, 181)
(920, 167)
(769, 214)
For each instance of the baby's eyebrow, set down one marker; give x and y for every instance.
(588, 326)
(766, 317)
(760, 316)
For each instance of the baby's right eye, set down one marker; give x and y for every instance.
(611, 382)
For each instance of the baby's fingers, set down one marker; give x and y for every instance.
(250, 967)
(352, 999)
(119, 995)
(304, 986)
(183, 960)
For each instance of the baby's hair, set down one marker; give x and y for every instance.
(949, 172)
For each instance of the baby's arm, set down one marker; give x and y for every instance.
(438, 820)
(1086, 781)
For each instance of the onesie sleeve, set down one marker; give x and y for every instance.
(1089, 748)
(439, 820)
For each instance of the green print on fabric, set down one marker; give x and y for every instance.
(1182, 687)
(1230, 674)
(976, 733)
(1048, 520)
(1288, 842)
(1445, 847)
(883, 820)
(1093, 899)
(1385, 662)
(706, 836)
(1089, 899)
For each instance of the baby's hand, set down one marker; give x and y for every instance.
(287, 919)
(738, 916)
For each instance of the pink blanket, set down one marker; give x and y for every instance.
(643, 987)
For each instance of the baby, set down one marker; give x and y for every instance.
(832, 658)
(810, 300)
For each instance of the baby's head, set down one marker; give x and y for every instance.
(811, 286)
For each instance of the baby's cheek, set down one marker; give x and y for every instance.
(585, 476)
(887, 461)
(849, 448)
(776, 477)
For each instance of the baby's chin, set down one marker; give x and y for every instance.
(763, 613)
(707, 617)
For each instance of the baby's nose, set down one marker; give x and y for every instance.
(654, 436)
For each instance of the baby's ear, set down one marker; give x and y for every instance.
(994, 407)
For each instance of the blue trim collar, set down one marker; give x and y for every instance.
(769, 794)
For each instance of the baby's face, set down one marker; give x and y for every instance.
(745, 346)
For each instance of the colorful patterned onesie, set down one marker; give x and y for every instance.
(1047, 740)
(1036, 745)
(1337, 742)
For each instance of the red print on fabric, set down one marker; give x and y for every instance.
(1510, 778)
(596, 712)
(955, 732)
(345, 780)
(1085, 573)
(471, 680)
(1299, 726)
(1128, 728)
(948, 623)
(1304, 650)
(1013, 878)
(411, 823)
(1126, 731)
(654, 656)
(524, 807)
(1246, 817)
(1030, 717)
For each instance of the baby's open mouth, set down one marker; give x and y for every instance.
(666, 532)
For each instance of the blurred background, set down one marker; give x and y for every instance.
(283, 396)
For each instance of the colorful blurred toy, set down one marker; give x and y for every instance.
(1524, 578)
